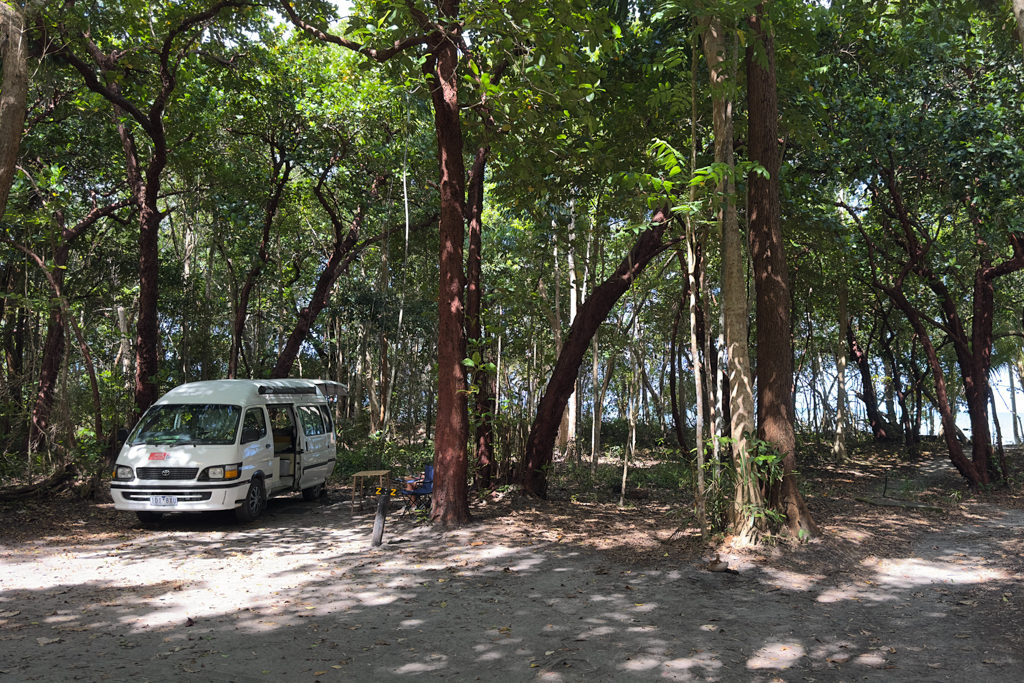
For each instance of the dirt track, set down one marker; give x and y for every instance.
(301, 596)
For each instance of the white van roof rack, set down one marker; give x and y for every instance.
(237, 391)
(330, 388)
(264, 389)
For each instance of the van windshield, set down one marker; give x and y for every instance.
(189, 423)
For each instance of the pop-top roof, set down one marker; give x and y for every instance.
(244, 391)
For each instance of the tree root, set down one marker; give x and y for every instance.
(55, 482)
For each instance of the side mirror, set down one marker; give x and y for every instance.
(122, 435)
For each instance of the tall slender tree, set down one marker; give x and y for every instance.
(771, 277)
(719, 51)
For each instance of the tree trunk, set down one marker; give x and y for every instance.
(949, 429)
(694, 280)
(1004, 468)
(673, 363)
(595, 422)
(1014, 419)
(483, 404)
(145, 182)
(633, 390)
(1018, 13)
(839, 444)
(592, 313)
(570, 257)
(867, 396)
(340, 258)
(450, 502)
(13, 93)
(747, 494)
(52, 357)
(771, 280)
(279, 178)
(55, 285)
(55, 342)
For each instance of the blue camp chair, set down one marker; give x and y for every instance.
(422, 493)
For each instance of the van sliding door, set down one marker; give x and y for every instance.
(315, 465)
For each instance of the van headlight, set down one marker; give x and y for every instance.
(123, 473)
(221, 472)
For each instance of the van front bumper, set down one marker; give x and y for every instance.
(164, 498)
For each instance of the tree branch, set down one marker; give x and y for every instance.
(373, 53)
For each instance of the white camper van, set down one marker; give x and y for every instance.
(227, 445)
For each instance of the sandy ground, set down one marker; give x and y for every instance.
(300, 595)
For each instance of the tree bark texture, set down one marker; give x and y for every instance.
(747, 494)
(13, 94)
(593, 311)
(771, 281)
(450, 503)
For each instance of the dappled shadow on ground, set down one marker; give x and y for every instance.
(301, 595)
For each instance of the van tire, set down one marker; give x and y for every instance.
(314, 492)
(148, 517)
(255, 501)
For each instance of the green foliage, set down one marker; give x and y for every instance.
(357, 452)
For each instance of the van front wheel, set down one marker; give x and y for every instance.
(255, 502)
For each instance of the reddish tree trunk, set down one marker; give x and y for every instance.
(771, 280)
(147, 330)
(450, 505)
(974, 352)
(541, 442)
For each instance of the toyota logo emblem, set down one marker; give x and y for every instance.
(165, 473)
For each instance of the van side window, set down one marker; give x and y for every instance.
(312, 421)
(328, 420)
(254, 427)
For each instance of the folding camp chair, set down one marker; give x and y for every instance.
(419, 497)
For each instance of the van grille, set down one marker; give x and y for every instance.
(167, 472)
(182, 496)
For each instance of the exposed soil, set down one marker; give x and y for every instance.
(555, 591)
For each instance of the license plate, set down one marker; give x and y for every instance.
(163, 500)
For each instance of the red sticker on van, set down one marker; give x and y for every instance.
(157, 456)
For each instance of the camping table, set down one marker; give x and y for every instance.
(361, 477)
